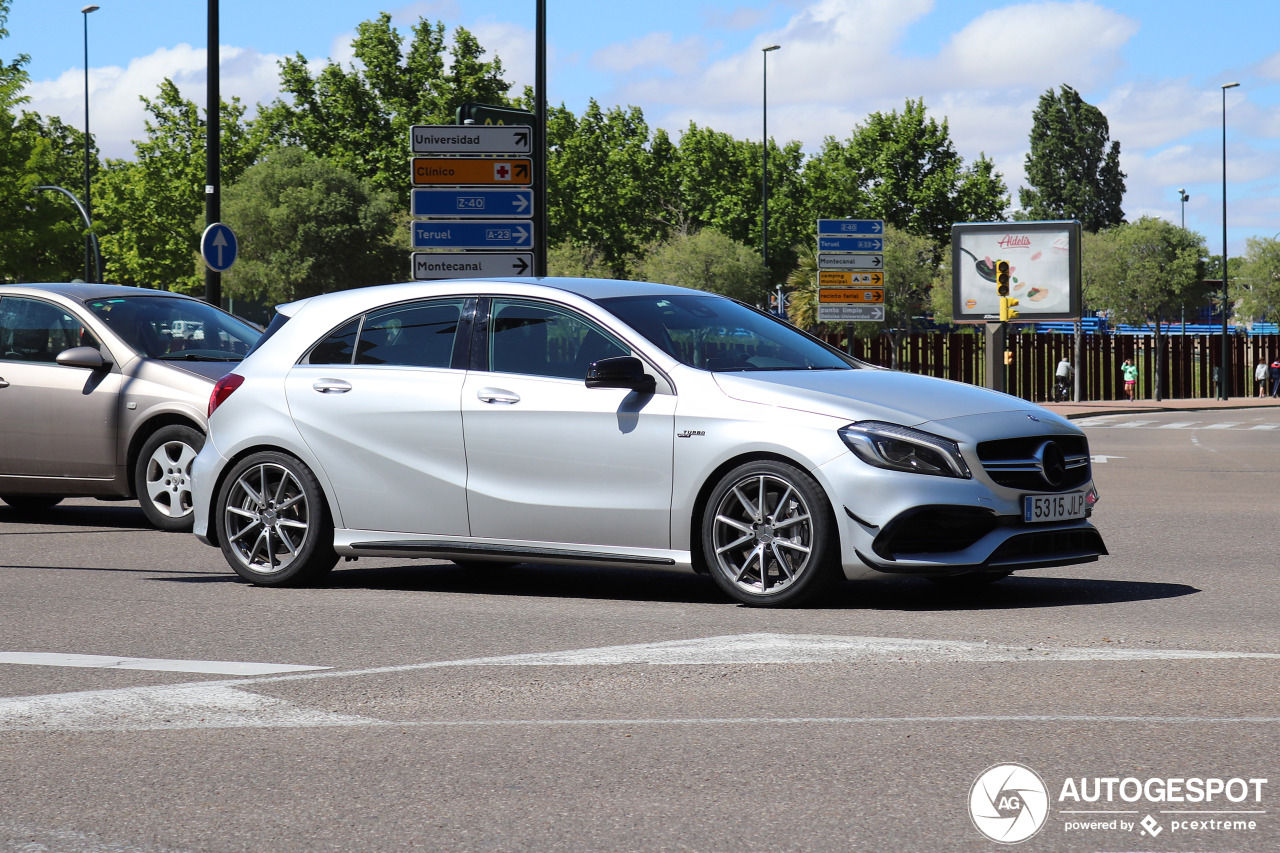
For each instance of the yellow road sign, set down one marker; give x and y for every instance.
(504, 171)
(863, 295)
(849, 278)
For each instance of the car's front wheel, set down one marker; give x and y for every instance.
(273, 523)
(768, 535)
(162, 477)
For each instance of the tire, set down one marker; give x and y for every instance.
(162, 477)
(31, 503)
(273, 522)
(768, 535)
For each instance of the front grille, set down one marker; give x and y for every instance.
(1050, 546)
(934, 530)
(1020, 463)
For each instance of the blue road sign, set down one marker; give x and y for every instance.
(851, 226)
(849, 243)
(473, 202)
(471, 234)
(218, 247)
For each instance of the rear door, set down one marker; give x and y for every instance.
(377, 402)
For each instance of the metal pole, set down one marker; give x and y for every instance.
(540, 138)
(88, 204)
(764, 227)
(213, 153)
(88, 223)
(1224, 374)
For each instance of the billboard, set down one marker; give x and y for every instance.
(1044, 260)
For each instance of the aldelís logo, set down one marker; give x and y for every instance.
(1009, 803)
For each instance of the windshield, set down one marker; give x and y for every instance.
(174, 329)
(715, 333)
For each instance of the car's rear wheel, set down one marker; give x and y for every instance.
(768, 535)
(273, 523)
(31, 503)
(162, 477)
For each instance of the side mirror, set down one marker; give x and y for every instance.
(82, 357)
(625, 371)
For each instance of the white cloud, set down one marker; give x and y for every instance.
(116, 113)
(655, 50)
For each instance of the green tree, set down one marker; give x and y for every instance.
(603, 185)
(360, 117)
(149, 211)
(13, 76)
(1073, 168)
(42, 235)
(307, 226)
(708, 260)
(1145, 273)
(904, 169)
(1256, 290)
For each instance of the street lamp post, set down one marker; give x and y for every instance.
(1184, 198)
(764, 226)
(88, 204)
(1224, 374)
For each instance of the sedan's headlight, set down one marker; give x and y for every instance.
(900, 448)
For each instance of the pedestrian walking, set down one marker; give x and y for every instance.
(1130, 372)
(1260, 374)
(1275, 378)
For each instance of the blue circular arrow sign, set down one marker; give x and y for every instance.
(218, 247)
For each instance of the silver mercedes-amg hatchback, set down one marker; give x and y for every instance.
(624, 424)
(103, 393)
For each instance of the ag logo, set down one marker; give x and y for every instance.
(1009, 803)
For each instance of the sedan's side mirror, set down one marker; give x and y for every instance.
(82, 357)
(624, 371)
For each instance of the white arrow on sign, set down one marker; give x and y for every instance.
(219, 243)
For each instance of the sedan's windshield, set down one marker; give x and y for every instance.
(174, 329)
(715, 333)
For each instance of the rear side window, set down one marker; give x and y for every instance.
(419, 334)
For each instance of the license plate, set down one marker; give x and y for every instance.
(1040, 508)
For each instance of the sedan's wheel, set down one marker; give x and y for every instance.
(273, 522)
(162, 477)
(30, 503)
(768, 535)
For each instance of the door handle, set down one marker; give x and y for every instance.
(3, 384)
(497, 395)
(331, 386)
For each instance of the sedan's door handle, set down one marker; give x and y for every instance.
(497, 395)
(331, 386)
(3, 384)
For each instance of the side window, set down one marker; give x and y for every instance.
(339, 347)
(544, 340)
(416, 335)
(34, 330)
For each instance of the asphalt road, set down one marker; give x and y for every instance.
(415, 705)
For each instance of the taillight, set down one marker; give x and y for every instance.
(222, 390)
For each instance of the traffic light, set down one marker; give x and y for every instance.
(1007, 310)
(1008, 356)
(1002, 278)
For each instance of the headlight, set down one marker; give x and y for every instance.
(900, 448)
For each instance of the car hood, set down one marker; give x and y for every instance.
(902, 398)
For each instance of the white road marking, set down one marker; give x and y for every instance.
(1178, 425)
(1265, 426)
(1226, 425)
(227, 704)
(1102, 458)
(178, 706)
(1133, 424)
(210, 667)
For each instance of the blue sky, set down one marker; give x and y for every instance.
(1154, 67)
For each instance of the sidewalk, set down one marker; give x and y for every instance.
(1093, 408)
